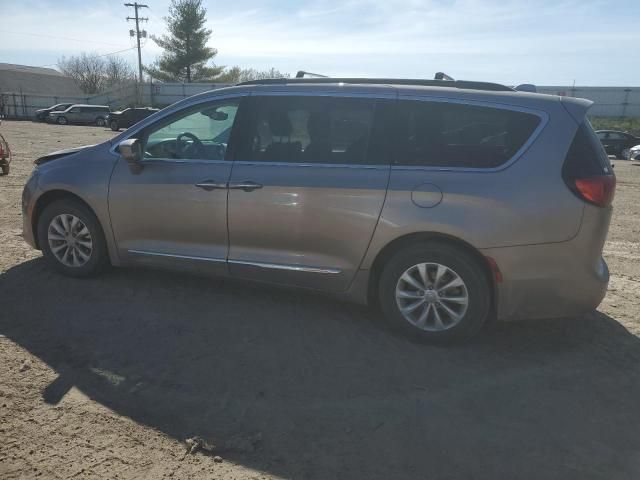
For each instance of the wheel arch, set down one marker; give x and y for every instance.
(397, 244)
(48, 198)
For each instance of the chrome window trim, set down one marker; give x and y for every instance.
(180, 161)
(174, 255)
(321, 165)
(291, 268)
(544, 120)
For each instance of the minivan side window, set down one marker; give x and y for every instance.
(201, 132)
(330, 130)
(447, 134)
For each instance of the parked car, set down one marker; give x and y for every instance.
(634, 153)
(369, 190)
(91, 114)
(128, 117)
(43, 113)
(617, 143)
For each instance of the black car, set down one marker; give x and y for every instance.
(43, 113)
(617, 143)
(128, 117)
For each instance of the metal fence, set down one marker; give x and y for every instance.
(24, 105)
(609, 101)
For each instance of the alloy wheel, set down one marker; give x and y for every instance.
(432, 297)
(70, 240)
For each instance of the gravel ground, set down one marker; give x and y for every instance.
(107, 377)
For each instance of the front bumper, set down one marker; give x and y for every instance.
(29, 195)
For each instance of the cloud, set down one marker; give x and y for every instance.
(542, 41)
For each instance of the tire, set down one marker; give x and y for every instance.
(97, 258)
(62, 120)
(456, 262)
(114, 126)
(100, 122)
(5, 168)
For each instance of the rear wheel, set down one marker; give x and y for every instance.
(435, 292)
(114, 126)
(71, 239)
(100, 122)
(62, 120)
(5, 168)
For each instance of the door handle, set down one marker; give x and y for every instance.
(209, 185)
(247, 186)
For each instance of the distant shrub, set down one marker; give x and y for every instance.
(624, 124)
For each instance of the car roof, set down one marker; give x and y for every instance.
(576, 106)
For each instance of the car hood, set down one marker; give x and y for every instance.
(59, 154)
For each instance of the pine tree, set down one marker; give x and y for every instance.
(186, 53)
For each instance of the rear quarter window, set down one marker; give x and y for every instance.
(446, 134)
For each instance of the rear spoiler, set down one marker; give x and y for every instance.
(576, 107)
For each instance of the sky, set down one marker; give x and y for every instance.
(545, 42)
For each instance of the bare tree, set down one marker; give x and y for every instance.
(93, 73)
(118, 71)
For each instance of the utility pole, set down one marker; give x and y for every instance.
(137, 32)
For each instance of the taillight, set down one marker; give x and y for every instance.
(597, 190)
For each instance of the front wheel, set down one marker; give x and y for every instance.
(100, 122)
(435, 292)
(114, 126)
(71, 239)
(62, 120)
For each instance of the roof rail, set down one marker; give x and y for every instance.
(462, 84)
(527, 87)
(303, 74)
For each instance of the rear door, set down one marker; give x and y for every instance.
(307, 187)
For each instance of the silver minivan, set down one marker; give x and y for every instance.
(442, 202)
(87, 114)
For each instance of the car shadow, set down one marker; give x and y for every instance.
(322, 389)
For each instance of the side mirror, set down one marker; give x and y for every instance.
(131, 150)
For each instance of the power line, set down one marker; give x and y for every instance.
(56, 64)
(59, 37)
(137, 33)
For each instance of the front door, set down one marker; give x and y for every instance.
(307, 187)
(74, 115)
(173, 211)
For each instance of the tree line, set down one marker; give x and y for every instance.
(185, 58)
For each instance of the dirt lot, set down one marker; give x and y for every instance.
(105, 378)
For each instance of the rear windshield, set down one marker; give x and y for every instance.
(586, 156)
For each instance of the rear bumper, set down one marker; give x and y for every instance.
(546, 281)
